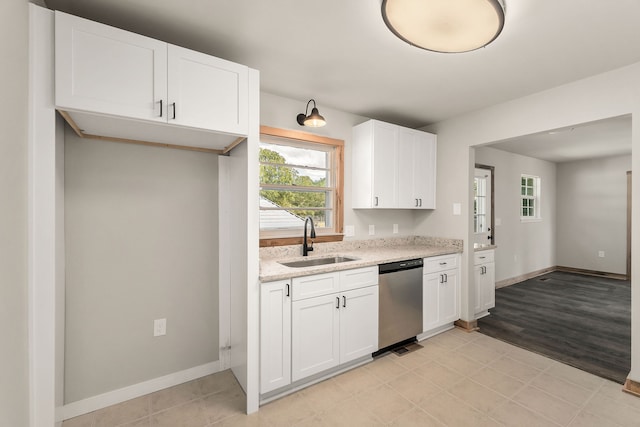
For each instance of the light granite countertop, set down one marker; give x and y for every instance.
(367, 253)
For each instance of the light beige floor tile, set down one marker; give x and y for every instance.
(497, 381)
(223, 381)
(477, 396)
(463, 335)
(384, 402)
(81, 421)
(431, 350)
(350, 414)
(515, 369)
(357, 380)
(177, 395)
(411, 360)
(144, 422)
(219, 406)
(555, 409)
(460, 363)
(288, 411)
(563, 389)
(440, 375)
(186, 415)
(415, 388)
(529, 358)
(451, 411)
(386, 369)
(416, 418)
(614, 392)
(613, 410)
(494, 344)
(513, 415)
(480, 353)
(124, 412)
(253, 420)
(325, 395)
(584, 419)
(448, 341)
(576, 376)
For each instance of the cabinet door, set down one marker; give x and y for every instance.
(489, 286)
(478, 279)
(358, 323)
(424, 170)
(275, 335)
(102, 69)
(430, 290)
(206, 92)
(448, 298)
(315, 337)
(385, 166)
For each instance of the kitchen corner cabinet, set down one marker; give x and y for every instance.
(331, 328)
(484, 273)
(275, 335)
(106, 70)
(393, 167)
(441, 291)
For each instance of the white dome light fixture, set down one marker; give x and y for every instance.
(448, 26)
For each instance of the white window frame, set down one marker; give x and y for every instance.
(477, 211)
(535, 198)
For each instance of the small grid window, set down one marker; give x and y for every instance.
(480, 205)
(529, 197)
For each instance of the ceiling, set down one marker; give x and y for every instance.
(341, 53)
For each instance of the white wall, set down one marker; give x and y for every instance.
(141, 233)
(523, 247)
(279, 112)
(592, 214)
(607, 95)
(14, 25)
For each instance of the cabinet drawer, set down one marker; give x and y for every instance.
(440, 263)
(483, 257)
(358, 278)
(316, 285)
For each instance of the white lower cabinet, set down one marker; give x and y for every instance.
(484, 274)
(440, 291)
(275, 335)
(314, 323)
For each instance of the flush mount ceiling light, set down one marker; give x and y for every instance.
(449, 26)
(314, 120)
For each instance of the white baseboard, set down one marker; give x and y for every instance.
(100, 401)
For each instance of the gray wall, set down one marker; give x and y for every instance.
(141, 233)
(13, 215)
(281, 112)
(523, 247)
(592, 214)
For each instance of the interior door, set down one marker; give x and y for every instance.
(482, 206)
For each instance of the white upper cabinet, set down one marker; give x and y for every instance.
(105, 73)
(107, 70)
(393, 167)
(206, 92)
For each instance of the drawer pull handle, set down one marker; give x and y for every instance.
(344, 301)
(443, 263)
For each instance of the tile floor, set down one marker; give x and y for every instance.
(457, 379)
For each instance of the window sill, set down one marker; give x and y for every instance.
(530, 219)
(284, 241)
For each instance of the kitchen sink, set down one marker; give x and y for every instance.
(318, 261)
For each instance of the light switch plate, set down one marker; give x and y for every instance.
(349, 231)
(457, 209)
(372, 230)
(159, 327)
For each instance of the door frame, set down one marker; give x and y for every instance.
(493, 193)
(628, 225)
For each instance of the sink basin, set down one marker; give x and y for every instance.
(318, 261)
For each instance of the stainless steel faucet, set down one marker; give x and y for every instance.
(308, 248)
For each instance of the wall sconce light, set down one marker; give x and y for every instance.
(314, 120)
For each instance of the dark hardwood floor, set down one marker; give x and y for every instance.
(583, 321)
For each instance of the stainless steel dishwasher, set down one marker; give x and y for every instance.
(400, 303)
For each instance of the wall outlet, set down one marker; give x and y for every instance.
(349, 231)
(395, 228)
(159, 327)
(372, 230)
(601, 254)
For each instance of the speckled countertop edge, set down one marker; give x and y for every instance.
(367, 253)
(478, 248)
